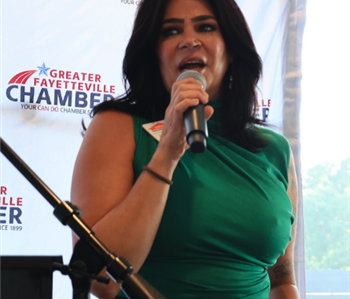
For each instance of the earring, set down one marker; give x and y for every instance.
(230, 82)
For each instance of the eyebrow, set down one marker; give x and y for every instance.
(195, 19)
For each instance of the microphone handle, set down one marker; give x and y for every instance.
(196, 128)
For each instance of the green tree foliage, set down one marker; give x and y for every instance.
(326, 194)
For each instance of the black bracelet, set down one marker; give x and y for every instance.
(158, 176)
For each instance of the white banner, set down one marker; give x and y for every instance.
(58, 60)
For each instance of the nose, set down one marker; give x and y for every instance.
(189, 40)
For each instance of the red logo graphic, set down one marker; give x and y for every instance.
(157, 126)
(22, 77)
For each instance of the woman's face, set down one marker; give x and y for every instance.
(190, 38)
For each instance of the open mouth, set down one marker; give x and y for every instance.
(192, 65)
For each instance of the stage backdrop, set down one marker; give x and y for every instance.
(59, 59)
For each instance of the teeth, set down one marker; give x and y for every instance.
(193, 62)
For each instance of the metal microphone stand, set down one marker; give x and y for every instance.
(90, 256)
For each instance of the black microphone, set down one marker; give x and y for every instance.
(194, 117)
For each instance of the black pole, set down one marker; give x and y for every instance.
(88, 249)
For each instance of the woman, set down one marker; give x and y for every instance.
(223, 229)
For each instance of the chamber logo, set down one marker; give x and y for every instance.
(10, 211)
(54, 90)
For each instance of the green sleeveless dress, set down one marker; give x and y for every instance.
(227, 218)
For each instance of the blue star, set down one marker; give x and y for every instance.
(43, 69)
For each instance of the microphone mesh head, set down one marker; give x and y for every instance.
(195, 75)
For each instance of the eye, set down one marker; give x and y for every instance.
(206, 28)
(167, 32)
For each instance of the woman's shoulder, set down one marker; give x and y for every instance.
(112, 118)
(118, 126)
(278, 149)
(111, 129)
(116, 117)
(276, 138)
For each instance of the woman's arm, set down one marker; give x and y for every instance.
(282, 277)
(124, 217)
